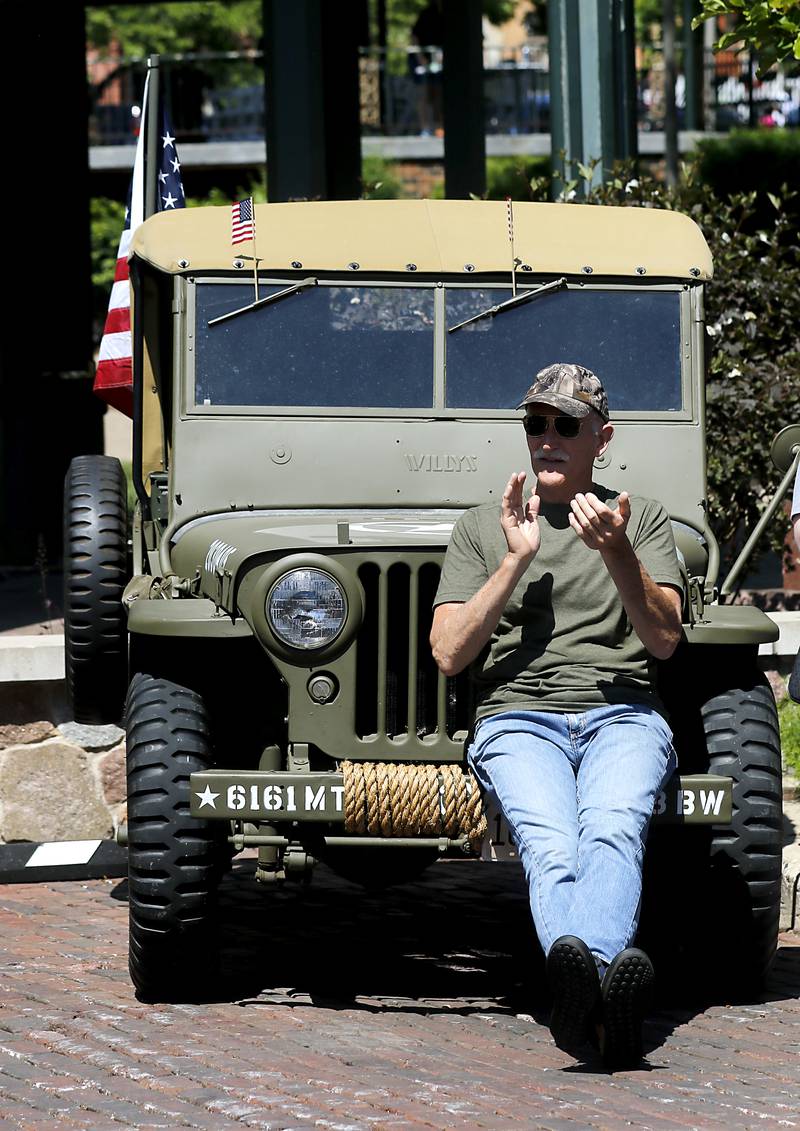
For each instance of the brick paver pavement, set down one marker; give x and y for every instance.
(408, 1009)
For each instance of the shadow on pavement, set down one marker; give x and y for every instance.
(456, 941)
(458, 938)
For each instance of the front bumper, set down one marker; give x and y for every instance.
(279, 797)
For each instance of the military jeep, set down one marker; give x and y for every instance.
(307, 428)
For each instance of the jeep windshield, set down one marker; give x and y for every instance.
(331, 346)
(376, 346)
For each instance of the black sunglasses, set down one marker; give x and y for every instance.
(566, 426)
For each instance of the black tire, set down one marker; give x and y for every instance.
(712, 893)
(175, 861)
(95, 575)
(743, 739)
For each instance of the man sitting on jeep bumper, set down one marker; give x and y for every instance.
(576, 592)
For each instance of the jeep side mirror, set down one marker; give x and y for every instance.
(785, 447)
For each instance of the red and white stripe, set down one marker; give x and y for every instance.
(114, 359)
(113, 379)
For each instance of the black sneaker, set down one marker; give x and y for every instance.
(575, 985)
(626, 993)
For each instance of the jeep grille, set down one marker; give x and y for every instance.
(400, 693)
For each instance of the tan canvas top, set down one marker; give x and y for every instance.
(440, 236)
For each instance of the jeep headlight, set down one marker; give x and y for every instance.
(306, 608)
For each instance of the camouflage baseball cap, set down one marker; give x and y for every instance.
(571, 388)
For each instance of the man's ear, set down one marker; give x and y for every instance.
(604, 438)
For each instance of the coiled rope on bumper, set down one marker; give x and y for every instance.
(400, 799)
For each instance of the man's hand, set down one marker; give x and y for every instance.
(598, 526)
(653, 610)
(520, 521)
(460, 631)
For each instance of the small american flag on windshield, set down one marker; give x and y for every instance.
(243, 221)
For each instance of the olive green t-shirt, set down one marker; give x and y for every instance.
(564, 641)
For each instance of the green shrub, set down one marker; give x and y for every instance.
(106, 218)
(761, 161)
(379, 179)
(515, 176)
(789, 718)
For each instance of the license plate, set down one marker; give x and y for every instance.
(238, 795)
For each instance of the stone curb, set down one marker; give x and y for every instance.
(24, 659)
(29, 862)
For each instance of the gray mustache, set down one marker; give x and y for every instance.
(558, 456)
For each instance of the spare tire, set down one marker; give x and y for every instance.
(95, 574)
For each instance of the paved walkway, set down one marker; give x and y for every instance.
(410, 1009)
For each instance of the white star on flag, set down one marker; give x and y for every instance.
(207, 797)
(167, 140)
(169, 200)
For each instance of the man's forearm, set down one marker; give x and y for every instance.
(460, 631)
(654, 613)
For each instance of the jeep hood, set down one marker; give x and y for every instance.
(216, 546)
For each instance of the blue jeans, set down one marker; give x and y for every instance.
(577, 791)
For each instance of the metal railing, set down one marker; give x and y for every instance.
(220, 97)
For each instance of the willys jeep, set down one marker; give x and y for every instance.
(304, 439)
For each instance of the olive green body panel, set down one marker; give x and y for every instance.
(173, 617)
(422, 463)
(319, 531)
(732, 624)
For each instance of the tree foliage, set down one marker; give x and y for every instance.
(771, 28)
(135, 30)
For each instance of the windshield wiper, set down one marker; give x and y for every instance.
(510, 303)
(293, 289)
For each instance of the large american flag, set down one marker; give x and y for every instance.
(114, 377)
